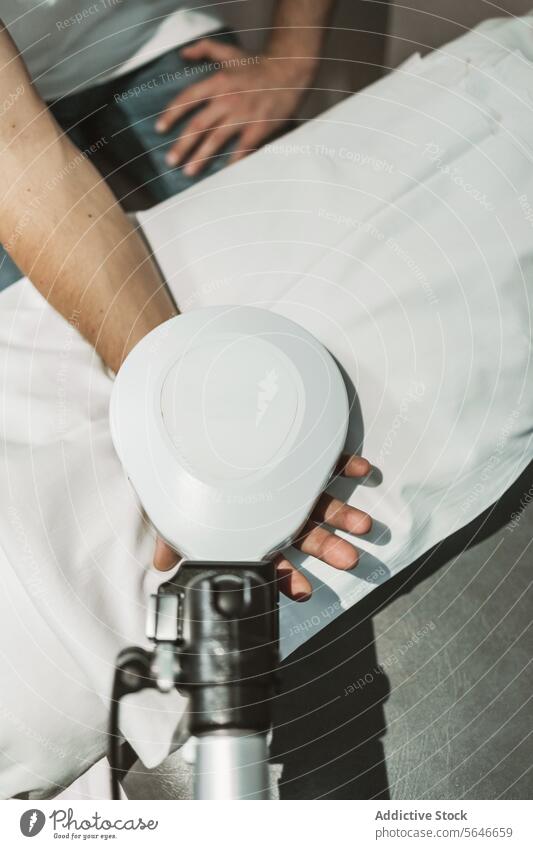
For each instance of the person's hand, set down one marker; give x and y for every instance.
(315, 539)
(249, 99)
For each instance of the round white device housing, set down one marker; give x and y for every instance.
(229, 422)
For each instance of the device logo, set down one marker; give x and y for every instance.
(32, 822)
(267, 391)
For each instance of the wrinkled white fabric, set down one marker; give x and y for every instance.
(398, 228)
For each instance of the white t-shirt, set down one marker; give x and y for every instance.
(69, 45)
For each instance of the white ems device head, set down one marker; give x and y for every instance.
(229, 422)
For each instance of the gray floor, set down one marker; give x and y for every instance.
(439, 663)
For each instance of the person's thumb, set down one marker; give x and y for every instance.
(164, 556)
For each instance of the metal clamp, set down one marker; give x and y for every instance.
(164, 628)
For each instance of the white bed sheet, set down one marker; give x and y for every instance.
(397, 227)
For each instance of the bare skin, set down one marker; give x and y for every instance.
(315, 539)
(66, 231)
(251, 97)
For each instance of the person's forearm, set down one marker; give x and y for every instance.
(298, 30)
(64, 228)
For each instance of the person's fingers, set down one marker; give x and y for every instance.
(325, 546)
(353, 466)
(211, 145)
(192, 134)
(210, 48)
(291, 582)
(249, 140)
(341, 516)
(164, 556)
(184, 102)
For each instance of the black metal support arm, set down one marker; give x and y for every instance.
(215, 632)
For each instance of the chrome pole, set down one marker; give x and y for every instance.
(229, 765)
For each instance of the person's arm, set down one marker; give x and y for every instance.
(297, 34)
(66, 231)
(251, 97)
(64, 228)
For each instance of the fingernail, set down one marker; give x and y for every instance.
(160, 126)
(172, 159)
(190, 170)
(351, 562)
